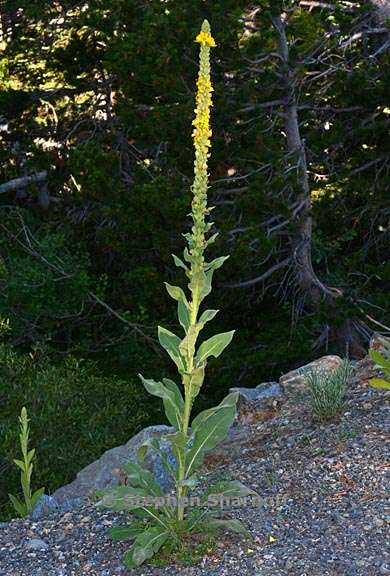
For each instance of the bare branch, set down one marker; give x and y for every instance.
(267, 274)
(22, 182)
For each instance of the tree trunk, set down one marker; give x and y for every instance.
(301, 238)
(312, 290)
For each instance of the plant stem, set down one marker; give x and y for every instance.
(196, 239)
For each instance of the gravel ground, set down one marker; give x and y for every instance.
(323, 513)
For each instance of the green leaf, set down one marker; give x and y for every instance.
(187, 345)
(231, 524)
(216, 263)
(184, 315)
(20, 464)
(380, 383)
(212, 239)
(229, 489)
(214, 346)
(193, 380)
(176, 293)
(146, 545)
(381, 361)
(30, 455)
(178, 442)
(35, 497)
(209, 428)
(153, 443)
(124, 532)
(206, 284)
(122, 498)
(179, 263)
(171, 397)
(170, 342)
(139, 476)
(19, 506)
(206, 316)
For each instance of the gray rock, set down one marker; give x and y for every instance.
(258, 404)
(46, 505)
(155, 464)
(295, 380)
(107, 470)
(261, 392)
(36, 544)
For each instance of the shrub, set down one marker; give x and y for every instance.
(328, 390)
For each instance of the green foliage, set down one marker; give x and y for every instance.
(77, 411)
(24, 507)
(328, 391)
(382, 362)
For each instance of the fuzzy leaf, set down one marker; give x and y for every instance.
(216, 263)
(214, 346)
(206, 316)
(206, 284)
(36, 496)
(146, 545)
(175, 292)
(20, 464)
(19, 506)
(231, 524)
(124, 532)
(179, 263)
(381, 361)
(122, 498)
(193, 381)
(187, 345)
(209, 429)
(170, 342)
(183, 313)
(140, 477)
(229, 489)
(380, 383)
(171, 397)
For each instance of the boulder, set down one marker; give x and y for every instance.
(258, 404)
(295, 380)
(107, 470)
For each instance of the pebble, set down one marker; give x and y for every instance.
(36, 544)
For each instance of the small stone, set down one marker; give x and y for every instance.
(384, 569)
(378, 522)
(36, 544)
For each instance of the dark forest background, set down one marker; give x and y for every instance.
(96, 104)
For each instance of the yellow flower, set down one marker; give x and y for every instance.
(206, 39)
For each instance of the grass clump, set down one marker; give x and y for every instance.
(328, 391)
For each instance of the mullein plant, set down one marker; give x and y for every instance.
(382, 362)
(24, 507)
(155, 524)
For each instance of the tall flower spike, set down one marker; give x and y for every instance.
(201, 136)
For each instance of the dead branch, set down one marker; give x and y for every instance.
(267, 274)
(22, 182)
